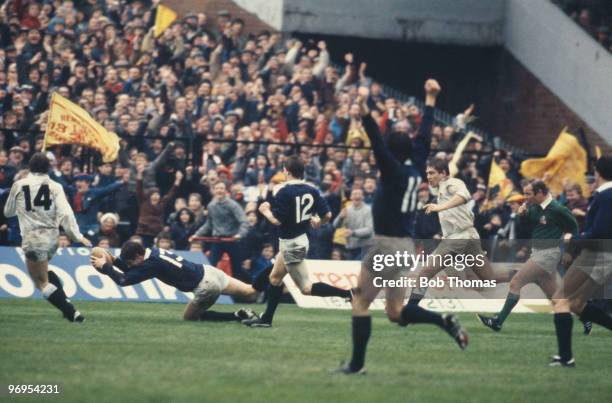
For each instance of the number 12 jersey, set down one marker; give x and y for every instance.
(294, 204)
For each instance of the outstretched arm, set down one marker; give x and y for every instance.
(178, 177)
(421, 145)
(134, 276)
(385, 161)
(106, 190)
(163, 156)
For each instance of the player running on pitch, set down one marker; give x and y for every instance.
(548, 221)
(295, 206)
(457, 222)
(393, 212)
(41, 206)
(137, 264)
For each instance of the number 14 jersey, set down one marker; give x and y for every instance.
(294, 204)
(40, 203)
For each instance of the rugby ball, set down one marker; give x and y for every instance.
(101, 252)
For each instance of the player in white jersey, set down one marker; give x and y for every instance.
(41, 206)
(458, 233)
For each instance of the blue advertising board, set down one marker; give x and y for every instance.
(83, 282)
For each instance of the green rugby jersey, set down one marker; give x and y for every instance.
(549, 224)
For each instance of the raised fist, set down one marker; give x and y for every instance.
(363, 93)
(432, 87)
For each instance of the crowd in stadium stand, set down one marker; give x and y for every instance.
(204, 79)
(594, 16)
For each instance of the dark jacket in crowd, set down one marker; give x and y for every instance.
(182, 231)
(150, 219)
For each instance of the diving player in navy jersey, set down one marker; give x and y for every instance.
(393, 211)
(295, 205)
(137, 264)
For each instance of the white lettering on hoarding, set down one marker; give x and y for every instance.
(24, 289)
(150, 289)
(108, 290)
(130, 292)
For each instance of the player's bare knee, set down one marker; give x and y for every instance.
(394, 314)
(304, 285)
(515, 285)
(251, 292)
(275, 280)
(560, 305)
(39, 281)
(360, 310)
(576, 305)
(360, 306)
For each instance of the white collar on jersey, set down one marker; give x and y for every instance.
(295, 181)
(546, 202)
(37, 174)
(604, 186)
(147, 253)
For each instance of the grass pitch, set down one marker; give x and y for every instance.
(132, 352)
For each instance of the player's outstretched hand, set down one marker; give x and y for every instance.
(86, 242)
(432, 87)
(97, 261)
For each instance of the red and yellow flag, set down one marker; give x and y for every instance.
(566, 161)
(164, 18)
(68, 123)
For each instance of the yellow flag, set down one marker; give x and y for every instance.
(68, 123)
(566, 160)
(497, 177)
(164, 18)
